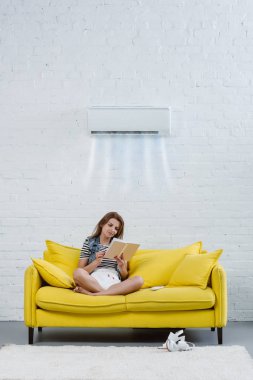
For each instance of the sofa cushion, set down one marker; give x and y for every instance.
(157, 266)
(178, 298)
(195, 270)
(64, 257)
(52, 274)
(67, 301)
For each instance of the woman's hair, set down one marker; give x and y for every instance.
(98, 229)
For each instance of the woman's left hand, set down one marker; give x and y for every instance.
(121, 263)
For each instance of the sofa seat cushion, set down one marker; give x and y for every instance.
(178, 298)
(67, 301)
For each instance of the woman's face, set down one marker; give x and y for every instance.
(110, 229)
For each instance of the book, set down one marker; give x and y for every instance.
(122, 249)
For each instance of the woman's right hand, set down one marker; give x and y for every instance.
(99, 256)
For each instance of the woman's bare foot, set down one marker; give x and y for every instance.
(79, 289)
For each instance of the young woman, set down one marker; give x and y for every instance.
(98, 276)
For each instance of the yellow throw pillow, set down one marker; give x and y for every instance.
(53, 275)
(157, 266)
(194, 270)
(64, 257)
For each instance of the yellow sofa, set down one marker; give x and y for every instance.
(173, 306)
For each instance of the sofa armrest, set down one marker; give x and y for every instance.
(219, 286)
(32, 283)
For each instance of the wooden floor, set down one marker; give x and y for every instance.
(235, 333)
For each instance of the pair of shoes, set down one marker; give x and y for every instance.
(177, 343)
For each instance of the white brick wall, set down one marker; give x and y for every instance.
(57, 57)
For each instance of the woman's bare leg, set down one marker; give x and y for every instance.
(127, 286)
(122, 288)
(84, 280)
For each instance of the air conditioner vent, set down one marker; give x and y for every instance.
(128, 120)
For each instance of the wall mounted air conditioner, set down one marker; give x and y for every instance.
(128, 120)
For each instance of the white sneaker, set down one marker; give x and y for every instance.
(177, 343)
(185, 346)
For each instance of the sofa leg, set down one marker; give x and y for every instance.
(212, 328)
(30, 335)
(39, 329)
(219, 333)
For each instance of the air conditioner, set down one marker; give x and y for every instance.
(128, 120)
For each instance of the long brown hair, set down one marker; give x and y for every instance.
(113, 214)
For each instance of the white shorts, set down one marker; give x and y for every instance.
(106, 277)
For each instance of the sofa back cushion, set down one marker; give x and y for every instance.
(194, 270)
(157, 266)
(64, 257)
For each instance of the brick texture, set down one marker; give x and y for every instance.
(59, 57)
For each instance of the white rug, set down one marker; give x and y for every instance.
(123, 363)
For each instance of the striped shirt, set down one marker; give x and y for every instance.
(105, 263)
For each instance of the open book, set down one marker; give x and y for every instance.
(121, 248)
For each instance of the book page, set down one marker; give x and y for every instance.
(120, 248)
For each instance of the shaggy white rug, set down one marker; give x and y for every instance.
(123, 363)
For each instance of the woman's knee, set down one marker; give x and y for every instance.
(79, 273)
(138, 281)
